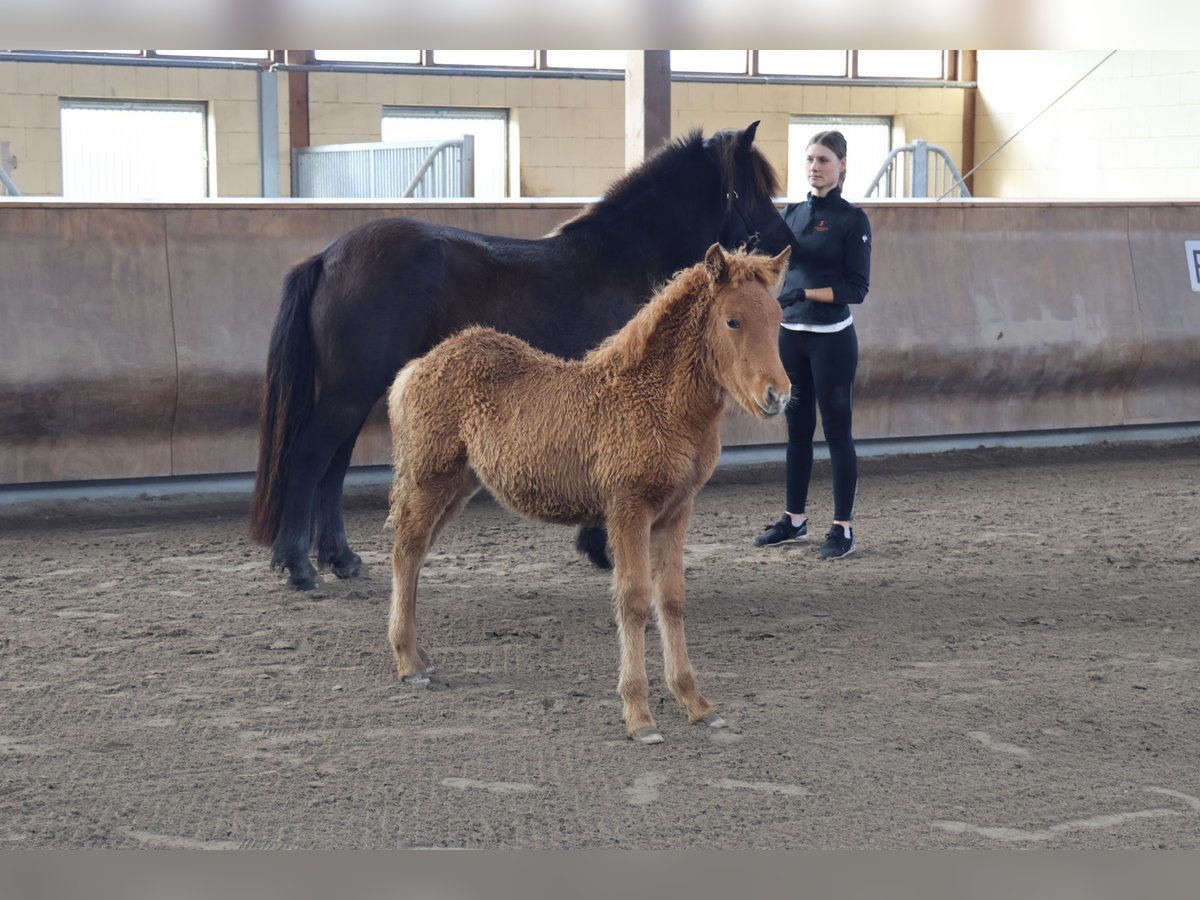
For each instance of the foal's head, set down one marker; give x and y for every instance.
(743, 328)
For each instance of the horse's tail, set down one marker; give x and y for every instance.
(288, 396)
(397, 427)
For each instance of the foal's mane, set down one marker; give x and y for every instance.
(679, 308)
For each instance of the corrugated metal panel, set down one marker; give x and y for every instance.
(384, 171)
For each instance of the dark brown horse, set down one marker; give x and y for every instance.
(626, 436)
(388, 291)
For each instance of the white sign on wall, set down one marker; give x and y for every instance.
(1193, 262)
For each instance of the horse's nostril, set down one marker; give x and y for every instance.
(772, 397)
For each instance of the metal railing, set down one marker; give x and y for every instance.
(386, 171)
(7, 162)
(918, 169)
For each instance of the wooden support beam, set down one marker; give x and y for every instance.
(298, 98)
(647, 103)
(967, 72)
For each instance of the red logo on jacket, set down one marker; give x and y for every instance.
(821, 226)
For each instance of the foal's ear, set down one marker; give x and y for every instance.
(716, 264)
(779, 264)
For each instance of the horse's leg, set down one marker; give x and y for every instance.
(592, 542)
(629, 539)
(418, 515)
(666, 564)
(333, 422)
(289, 551)
(333, 549)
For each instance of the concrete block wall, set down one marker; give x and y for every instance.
(30, 93)
(933, 114)
(1130, 130)
(566, 134)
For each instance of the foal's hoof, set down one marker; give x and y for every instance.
(647, 734)
(712, 720)
(421, 677)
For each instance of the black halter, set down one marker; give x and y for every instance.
(768, 234)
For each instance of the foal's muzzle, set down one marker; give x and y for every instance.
(774, 402)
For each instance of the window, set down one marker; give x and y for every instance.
(403, 57)
(868, 142)
(483, 58)
(725, 61)
(826, 63)
(900, 63)
(216, 54)
(489, 127)
(119, 150)
(587, 59)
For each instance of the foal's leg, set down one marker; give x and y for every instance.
(629, 540)
(666, 562)
(418, 517)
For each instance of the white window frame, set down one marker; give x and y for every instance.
(861, 164)
(83, 181)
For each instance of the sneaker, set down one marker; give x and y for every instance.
(837, 544)
(783, 532)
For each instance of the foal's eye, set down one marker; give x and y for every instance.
(733, 323)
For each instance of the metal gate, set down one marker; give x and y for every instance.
(7, 162)
(918, 169)
(386, 171)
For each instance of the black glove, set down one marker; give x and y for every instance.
(795, 295)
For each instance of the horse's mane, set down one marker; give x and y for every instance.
(660, 168)
(762, 173)
(654, 168)
(678, 306)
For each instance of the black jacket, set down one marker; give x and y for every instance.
(834, 250)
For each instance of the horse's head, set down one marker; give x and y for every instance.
(743, 327)
(749, 183)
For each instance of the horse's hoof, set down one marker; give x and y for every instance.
(301, 575)
(348, 566)
(592, 542)
(712, 720)
(302, 580)
(647, 734)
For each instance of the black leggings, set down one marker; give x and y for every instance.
(821, 366)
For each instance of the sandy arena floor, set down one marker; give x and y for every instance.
(1012, 659)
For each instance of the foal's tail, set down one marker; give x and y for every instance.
(288, 396)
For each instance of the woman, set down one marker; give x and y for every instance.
(830, 269)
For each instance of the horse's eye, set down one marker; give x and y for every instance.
(733, 323)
